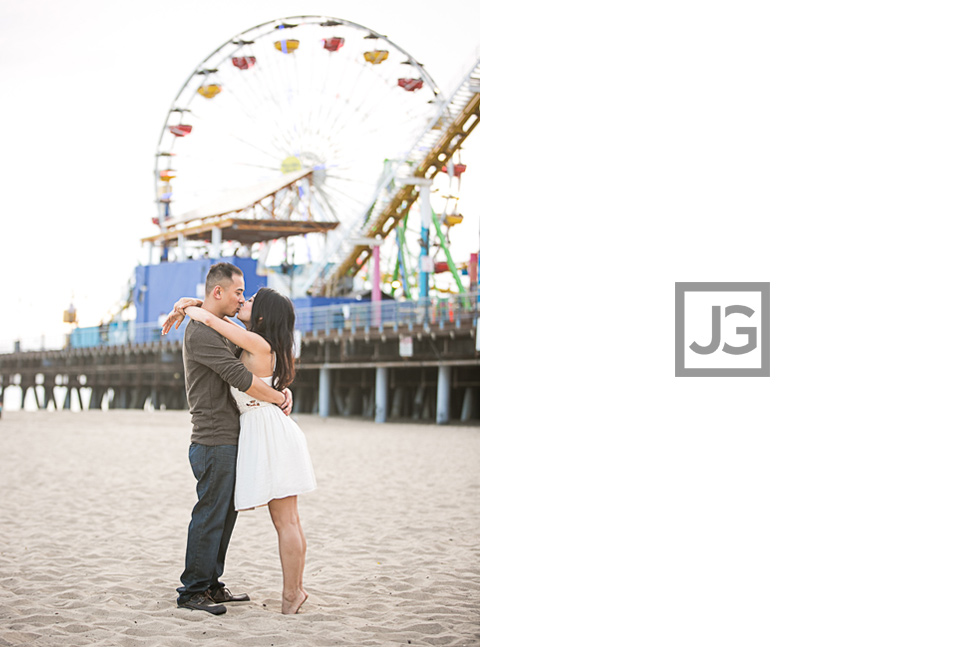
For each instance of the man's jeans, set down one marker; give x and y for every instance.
(213, 518)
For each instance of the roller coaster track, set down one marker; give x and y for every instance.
(456, 119)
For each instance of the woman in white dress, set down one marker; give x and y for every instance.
(273, 465)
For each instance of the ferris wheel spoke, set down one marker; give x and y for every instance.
(329, 89)
(220, 132)
(250, 145)
(200, 159)
(326, 90)
(309, 88)
(317, 116)
(351, 211)
(237, 164)
(242, 103)
(349, 194)
(227, 128)
(274, 136)
(344, 134)
(284, 106)
(375, 116)
(291, 100)
(268, 75)
(258, 83)
(351, 112)
(324, 206)
(350, 179)
(326, 119)
(346, 209)
(267, 91)
(337, 211)
(329, 206)
(274, 115)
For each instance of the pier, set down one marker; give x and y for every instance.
(393, 361)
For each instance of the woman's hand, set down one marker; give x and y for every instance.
(173, 318)
(177, 315)
(287, 402)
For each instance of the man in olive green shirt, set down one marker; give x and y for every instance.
(211, 367)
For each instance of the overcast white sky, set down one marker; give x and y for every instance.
(86, 90)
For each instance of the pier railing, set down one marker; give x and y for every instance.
(457, 311)
(422, 314)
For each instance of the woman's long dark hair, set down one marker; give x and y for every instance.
(273, 318)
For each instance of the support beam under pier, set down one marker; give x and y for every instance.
(380, 395)
(444, 393)
(323, 396)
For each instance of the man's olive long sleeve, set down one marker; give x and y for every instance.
(210, 368)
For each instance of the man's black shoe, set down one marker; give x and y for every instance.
(224, 595)
(203, 602)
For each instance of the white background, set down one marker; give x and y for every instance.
(822, 147)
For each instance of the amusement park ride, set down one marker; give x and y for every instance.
(301, 145)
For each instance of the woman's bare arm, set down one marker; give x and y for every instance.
(263, 391)
(238, 335)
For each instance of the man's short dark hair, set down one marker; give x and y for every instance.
(220, 273)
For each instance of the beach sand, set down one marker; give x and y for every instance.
(94, 508)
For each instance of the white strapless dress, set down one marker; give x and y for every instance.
(272, 461)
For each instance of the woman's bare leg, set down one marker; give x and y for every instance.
(303, 537)
(292, 545)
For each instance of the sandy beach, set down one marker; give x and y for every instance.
(94, 508)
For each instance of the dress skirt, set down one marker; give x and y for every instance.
(273, 461)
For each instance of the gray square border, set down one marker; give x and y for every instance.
(764, 370)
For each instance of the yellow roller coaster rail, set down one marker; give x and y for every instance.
(452, 137)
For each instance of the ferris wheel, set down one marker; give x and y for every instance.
(294, 94)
